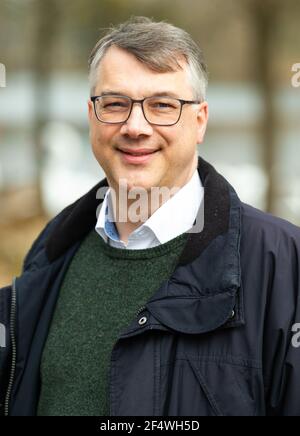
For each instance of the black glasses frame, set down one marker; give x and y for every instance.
(141, 102)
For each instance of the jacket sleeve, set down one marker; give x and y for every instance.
(6, 353)
(281, 350)
(5, 344)
(6, 299)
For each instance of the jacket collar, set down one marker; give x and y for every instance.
(205, 287)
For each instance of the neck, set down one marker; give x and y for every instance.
(133, 208)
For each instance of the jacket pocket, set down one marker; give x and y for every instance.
(209, 387)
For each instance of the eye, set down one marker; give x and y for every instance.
(164, 104)
(161, 104)
(115, 104)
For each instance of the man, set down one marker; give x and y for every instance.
(119, 315)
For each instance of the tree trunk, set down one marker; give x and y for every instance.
(264, 14)
(47, 21)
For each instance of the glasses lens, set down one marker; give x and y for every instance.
(112, 109)
(162, 110)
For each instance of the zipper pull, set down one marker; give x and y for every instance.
(140, 310)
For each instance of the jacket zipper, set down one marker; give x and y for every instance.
(14, 347)
(111, 366)
(140, 310)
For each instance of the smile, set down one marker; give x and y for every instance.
(137, 156)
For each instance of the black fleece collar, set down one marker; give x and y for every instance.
(78, 219)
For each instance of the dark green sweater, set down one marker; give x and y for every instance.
(101, 293)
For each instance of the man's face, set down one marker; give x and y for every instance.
(175, 157)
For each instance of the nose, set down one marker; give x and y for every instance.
(136, 125)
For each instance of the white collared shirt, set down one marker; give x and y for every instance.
(175, 217)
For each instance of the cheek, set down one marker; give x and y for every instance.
(182, 141)
(101, 137)
(98, 143)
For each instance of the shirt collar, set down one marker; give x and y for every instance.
(105, 225)
(184, 205)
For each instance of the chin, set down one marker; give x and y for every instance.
(139, 185)
(136, 181)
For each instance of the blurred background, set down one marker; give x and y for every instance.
(45, 158)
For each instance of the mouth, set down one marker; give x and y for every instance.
(140, 156)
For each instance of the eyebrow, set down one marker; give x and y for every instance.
(156, 94)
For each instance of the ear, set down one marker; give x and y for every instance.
(202, 118)
(90, 109)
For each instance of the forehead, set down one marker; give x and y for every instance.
(121, 72)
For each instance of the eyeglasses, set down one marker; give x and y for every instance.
(159, 111)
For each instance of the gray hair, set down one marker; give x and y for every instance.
(158, 45)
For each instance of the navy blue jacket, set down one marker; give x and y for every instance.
(221, 335)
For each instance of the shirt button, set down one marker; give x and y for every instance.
(142, 320)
